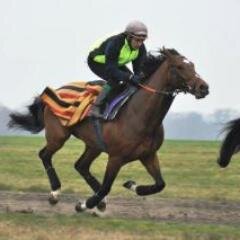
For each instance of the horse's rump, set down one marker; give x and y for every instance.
(71, 102)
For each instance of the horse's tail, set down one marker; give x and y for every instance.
(231, 142)
(31, 121)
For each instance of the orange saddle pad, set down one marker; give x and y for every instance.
(71, 102)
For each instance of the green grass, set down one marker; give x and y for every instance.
(61, 227)
(188, 167)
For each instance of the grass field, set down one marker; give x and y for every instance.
(188, 167)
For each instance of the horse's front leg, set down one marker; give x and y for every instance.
(113, 166)
(151, 163)
(83, 164)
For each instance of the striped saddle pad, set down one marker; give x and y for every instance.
(71, 103)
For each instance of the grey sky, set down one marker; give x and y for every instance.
(46, 43)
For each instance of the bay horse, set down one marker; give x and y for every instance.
(230, 144)
(136, 134)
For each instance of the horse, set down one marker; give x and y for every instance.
(135, 134)
(230, 144)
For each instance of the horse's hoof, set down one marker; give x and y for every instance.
(80, 207)
(222, 163)
(129, 184)
(53, 197)
(52, 200)
(102, 206)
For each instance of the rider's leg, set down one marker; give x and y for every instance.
(95, 110)
(99, 70)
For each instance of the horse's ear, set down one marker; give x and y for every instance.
(165, 52)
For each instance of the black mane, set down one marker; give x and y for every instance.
(152, 62)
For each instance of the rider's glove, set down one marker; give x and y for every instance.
(136, 79)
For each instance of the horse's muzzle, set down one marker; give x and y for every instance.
(202, 91)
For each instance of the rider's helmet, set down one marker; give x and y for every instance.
(136, 28)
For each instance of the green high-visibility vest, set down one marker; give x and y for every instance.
(126, 55)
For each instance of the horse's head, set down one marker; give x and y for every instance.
(183, 75)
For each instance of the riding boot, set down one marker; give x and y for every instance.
(95, 109)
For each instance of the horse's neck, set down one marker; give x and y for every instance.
(149, 108)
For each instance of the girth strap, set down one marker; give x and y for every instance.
(98, 128)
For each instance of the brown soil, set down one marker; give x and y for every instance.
(181, 210)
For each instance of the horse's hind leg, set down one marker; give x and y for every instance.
(113, 166)
(82, 166)
(151, 163)
(56, 135)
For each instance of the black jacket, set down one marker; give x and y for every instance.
(111, 48)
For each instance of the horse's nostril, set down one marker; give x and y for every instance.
(202, 91)
(203, 87)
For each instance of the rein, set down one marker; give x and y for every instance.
(173, 93)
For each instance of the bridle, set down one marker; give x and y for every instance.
(172, 93)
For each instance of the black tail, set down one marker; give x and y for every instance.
(31, 121)
(231, 142)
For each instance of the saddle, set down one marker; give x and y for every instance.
(115, 100)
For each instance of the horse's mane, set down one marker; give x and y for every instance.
(153, 61)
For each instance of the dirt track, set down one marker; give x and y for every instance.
(182, 210)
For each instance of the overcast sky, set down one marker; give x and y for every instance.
(45, 43)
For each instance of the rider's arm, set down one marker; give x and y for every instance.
(112, 52)
(137, 63)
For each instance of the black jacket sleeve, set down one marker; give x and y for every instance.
(137, 63)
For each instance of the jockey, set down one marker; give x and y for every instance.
(109, 58)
